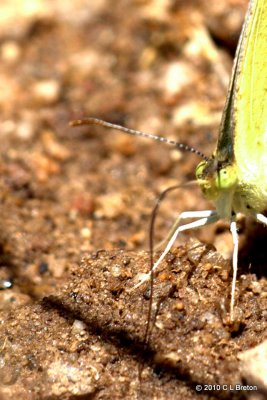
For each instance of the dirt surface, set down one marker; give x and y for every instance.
(76, 203)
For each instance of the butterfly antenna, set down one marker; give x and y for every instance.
(151, 318)
(154, 213)
(100, 122)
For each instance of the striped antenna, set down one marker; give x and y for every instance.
(100, 122)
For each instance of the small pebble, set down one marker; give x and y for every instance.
(46, 91)
(78, 326)
(53, 147)
(254, 365)
(6, 284)
(24, 130)
(86, 233)
(10, 52)
(179, 306)
(195, 113)
(177, 76)
(110, 205)
(255, 287)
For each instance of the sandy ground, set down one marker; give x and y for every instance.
(76, 204)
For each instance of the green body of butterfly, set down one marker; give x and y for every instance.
(236, 176)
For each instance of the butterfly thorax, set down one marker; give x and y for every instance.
(222, 183)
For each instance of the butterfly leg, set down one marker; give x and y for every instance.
(233, 229)
(207, 217)
(183, 215)
(169, 234)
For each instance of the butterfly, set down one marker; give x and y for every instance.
(235, 176)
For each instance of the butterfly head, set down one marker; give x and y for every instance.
(215, 178)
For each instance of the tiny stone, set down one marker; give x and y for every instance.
(254, 365)
(116, 271)
(86, 233)
(179, 305)
(10, 52)
(78, 326)
(177, 77)
(24, 130)
(255, 287)
(46, 91)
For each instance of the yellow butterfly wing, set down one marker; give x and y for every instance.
(236, 176)
(250, 110)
